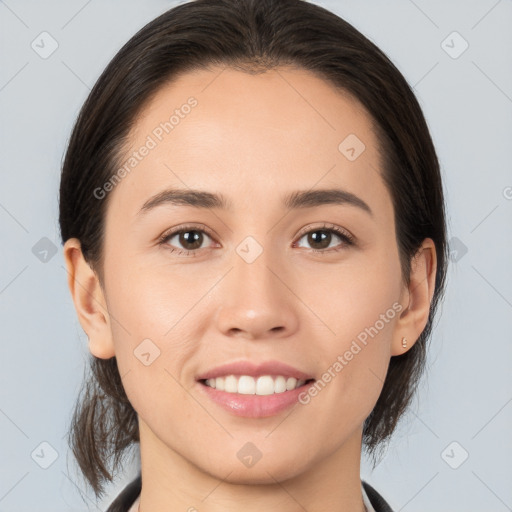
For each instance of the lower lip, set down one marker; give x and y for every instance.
(254, 406)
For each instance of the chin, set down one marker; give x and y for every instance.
(261, 472)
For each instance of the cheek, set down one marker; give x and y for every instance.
(358, 316)
(356, 299)
(154, 334)
(150, 302)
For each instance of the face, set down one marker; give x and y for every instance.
(297, 291)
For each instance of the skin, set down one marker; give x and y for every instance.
(253, 138)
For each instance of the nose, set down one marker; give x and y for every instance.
(256, 301)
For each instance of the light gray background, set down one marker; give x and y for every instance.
(466, 396)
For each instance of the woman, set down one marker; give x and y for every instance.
(254, 232)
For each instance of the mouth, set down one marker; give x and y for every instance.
(263, 385)
(254, 390)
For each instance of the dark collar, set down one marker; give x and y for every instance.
(377, 501)
(128, 495)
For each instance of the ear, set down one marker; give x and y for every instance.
(89, 300)
(418, 295)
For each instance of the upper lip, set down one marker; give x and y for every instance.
(255, 370)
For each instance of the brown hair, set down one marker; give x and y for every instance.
(252, 36)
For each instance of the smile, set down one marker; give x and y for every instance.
(249, 385)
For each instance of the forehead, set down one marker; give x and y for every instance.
(250, 135)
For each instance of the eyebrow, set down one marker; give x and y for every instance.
(294, 200)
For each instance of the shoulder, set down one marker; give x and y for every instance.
(126, 497)
(376, 500)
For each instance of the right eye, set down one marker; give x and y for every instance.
(190, 238)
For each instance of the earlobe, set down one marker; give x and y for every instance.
(89, 301)
(420, 292)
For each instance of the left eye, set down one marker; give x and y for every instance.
(320, 239)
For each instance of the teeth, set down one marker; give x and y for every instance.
(219, 383)
(265, 385)
(231, 384)
(291, 383)
(280, 385)
(247, 385)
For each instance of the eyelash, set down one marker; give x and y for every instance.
(347, 238)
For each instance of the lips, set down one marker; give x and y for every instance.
(254, 390)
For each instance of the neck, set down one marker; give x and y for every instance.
(170, 482)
